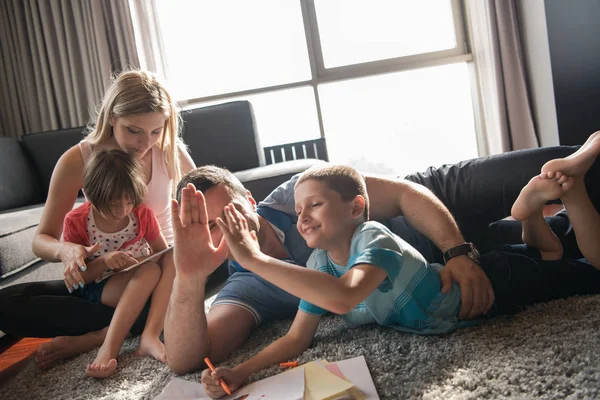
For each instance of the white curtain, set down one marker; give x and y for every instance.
(57, 58)
(151, 50)
(506, 107)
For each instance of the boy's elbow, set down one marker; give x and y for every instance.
(345, 307)
(342, 306)
(345, 302)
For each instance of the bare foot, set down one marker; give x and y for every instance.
(100, 370)
(63, 347)
(537, 192)
(105, 363)
(578, 163)
(152, 346)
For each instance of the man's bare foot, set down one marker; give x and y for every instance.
(63, 347)
(537, 192)
(104, 365)
(152, 346)
(578, 163)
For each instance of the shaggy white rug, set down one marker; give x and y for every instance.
(548, 351)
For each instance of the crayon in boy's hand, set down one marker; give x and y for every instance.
(221, 381)
(289, 364)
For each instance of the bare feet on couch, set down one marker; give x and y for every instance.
(578, 163)
(105, 364)
(537, 192)
(63, 347)
(151, 345)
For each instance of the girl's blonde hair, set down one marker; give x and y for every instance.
(140, 92)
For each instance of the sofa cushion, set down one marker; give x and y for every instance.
(20, 183)
(17, 228)
(45, 148)
(263, 180)
(223, 135)
(16, 235)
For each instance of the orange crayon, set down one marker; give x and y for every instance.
(221, 381)
(289, 364)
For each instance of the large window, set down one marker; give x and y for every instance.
(386, 82)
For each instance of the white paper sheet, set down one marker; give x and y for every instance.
(356, 371)
(288, 385)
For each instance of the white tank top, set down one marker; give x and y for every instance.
(160, 187)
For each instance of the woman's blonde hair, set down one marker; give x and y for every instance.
(140, 92)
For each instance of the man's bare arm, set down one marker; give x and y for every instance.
(428, 215)
(421, 208)
(195, 258)
(186, 330)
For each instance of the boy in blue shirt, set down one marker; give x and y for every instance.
(360, 269)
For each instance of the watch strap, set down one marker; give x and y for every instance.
(460, 250)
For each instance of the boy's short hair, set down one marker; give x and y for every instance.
(112, 174)
(342, 179)
(209, 176)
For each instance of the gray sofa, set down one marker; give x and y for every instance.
(223, 135)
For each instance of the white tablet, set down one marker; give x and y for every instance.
(155, 256)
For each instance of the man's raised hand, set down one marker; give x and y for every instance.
(194, 252)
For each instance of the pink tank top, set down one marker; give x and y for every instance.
(158, 196)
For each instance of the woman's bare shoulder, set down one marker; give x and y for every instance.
(71, 161)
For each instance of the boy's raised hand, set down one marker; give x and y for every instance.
(194, 252)
(242, 242)
(212, 386)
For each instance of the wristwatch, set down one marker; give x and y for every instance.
(462, 249)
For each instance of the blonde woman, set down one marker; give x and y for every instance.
(138, 116)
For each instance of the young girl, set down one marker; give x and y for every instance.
(138, 116)
(124, 230)
(360, 269)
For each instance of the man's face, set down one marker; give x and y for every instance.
(217, 198)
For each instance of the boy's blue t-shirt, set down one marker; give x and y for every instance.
(409, 299)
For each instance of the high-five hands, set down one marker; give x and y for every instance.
(194, 252)
(242, 242)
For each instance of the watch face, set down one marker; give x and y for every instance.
(474, 254)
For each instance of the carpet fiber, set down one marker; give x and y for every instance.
(547, 351)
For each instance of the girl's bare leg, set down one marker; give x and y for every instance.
(582, 213)
(529, 208)
(585, 221)
(150, 344)
(128, 293)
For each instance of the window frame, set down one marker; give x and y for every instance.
(320, 74)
